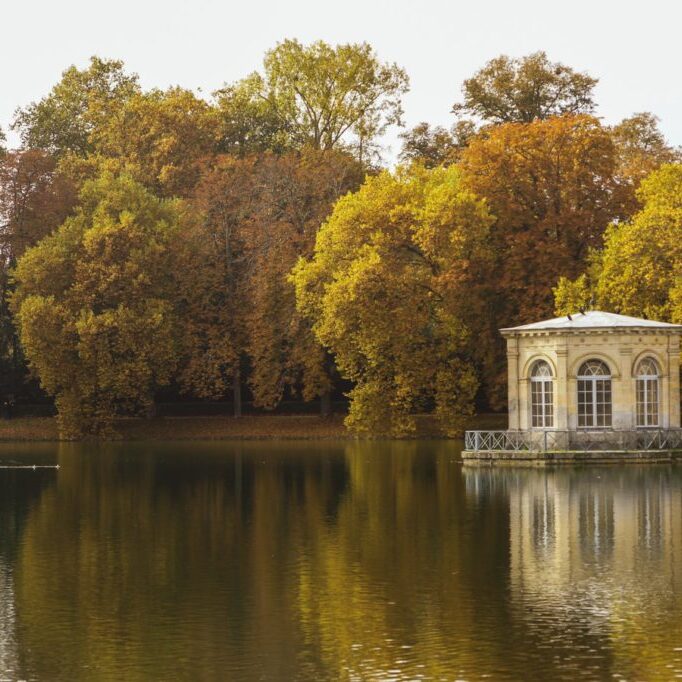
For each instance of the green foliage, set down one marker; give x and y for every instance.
(572, 295)
(162, 136)
(82, 101)
(642, 148)
(249, 123)
(35, 198)
(318, 95)
(638, 270)
(404, 287)
(523, 90)
(642, 259)
(385, 289)
(433, 146)
(97, 304)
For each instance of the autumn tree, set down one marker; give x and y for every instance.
(96, 304)
(552, 186)
(249, 124)
(35, 198)
(385, 289)
(641, 148)
(83, 100)
(259, 215)
(434, 145)
(524, 90)
(298, 192)
(319, 96)
(161, 136)
(225, 198)
(638, 271)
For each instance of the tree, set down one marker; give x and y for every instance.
(259, 215)
(35, 198)
(321, 96)
(82, 101)
(572, 295)
(385, 289)
(638, 270)
(97, 304)
(641, 148)
(297, 194)
(552, 186)
(161, 136)
(248, 123)
(215, 328)
(433, 146)
(523, 90)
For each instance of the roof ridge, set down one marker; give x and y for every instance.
(593, 319)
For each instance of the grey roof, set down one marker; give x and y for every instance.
(593, 319)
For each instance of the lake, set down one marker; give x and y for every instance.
(333, 561)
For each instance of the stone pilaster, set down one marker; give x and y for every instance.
(513, 382)
(674, 381)
(561, 394)
(623, 391)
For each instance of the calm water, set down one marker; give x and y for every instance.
(334, 561)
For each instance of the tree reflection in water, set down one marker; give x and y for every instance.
(338, 560)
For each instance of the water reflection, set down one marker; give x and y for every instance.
(334, 561)
(595, 570)
(8, 644)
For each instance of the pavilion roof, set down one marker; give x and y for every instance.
(594, 319)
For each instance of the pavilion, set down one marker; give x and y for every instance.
(591, 386)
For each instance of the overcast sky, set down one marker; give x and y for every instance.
(632, 47)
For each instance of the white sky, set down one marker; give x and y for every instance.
(633, 47)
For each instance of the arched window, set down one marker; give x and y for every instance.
(541, 396)
(647, 392)
(594, 395)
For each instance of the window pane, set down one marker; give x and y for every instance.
(652, 402)
(594, 401)
(585, 406)
(541, 402)
(647, 401)
(541, 369)
(647, 368)
(593, 368)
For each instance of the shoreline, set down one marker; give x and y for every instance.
(193, 428)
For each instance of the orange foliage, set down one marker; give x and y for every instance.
(259, 214)
(552, 186)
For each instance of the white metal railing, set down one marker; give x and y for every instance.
(543, 440)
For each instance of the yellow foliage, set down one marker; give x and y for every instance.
(385, 289)
(96, 304)
(639, 267)
(572, 295)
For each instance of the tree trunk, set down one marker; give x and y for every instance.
(326, 404)
(237, 393)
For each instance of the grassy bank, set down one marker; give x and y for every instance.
(251, 427)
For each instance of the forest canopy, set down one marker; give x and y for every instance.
(253, 246)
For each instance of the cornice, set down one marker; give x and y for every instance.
(604, 331)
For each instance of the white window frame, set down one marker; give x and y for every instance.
(649, 384)
(545, 383)
(590, 385)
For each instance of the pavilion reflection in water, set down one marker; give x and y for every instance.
(597, 529)
(8, 643)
